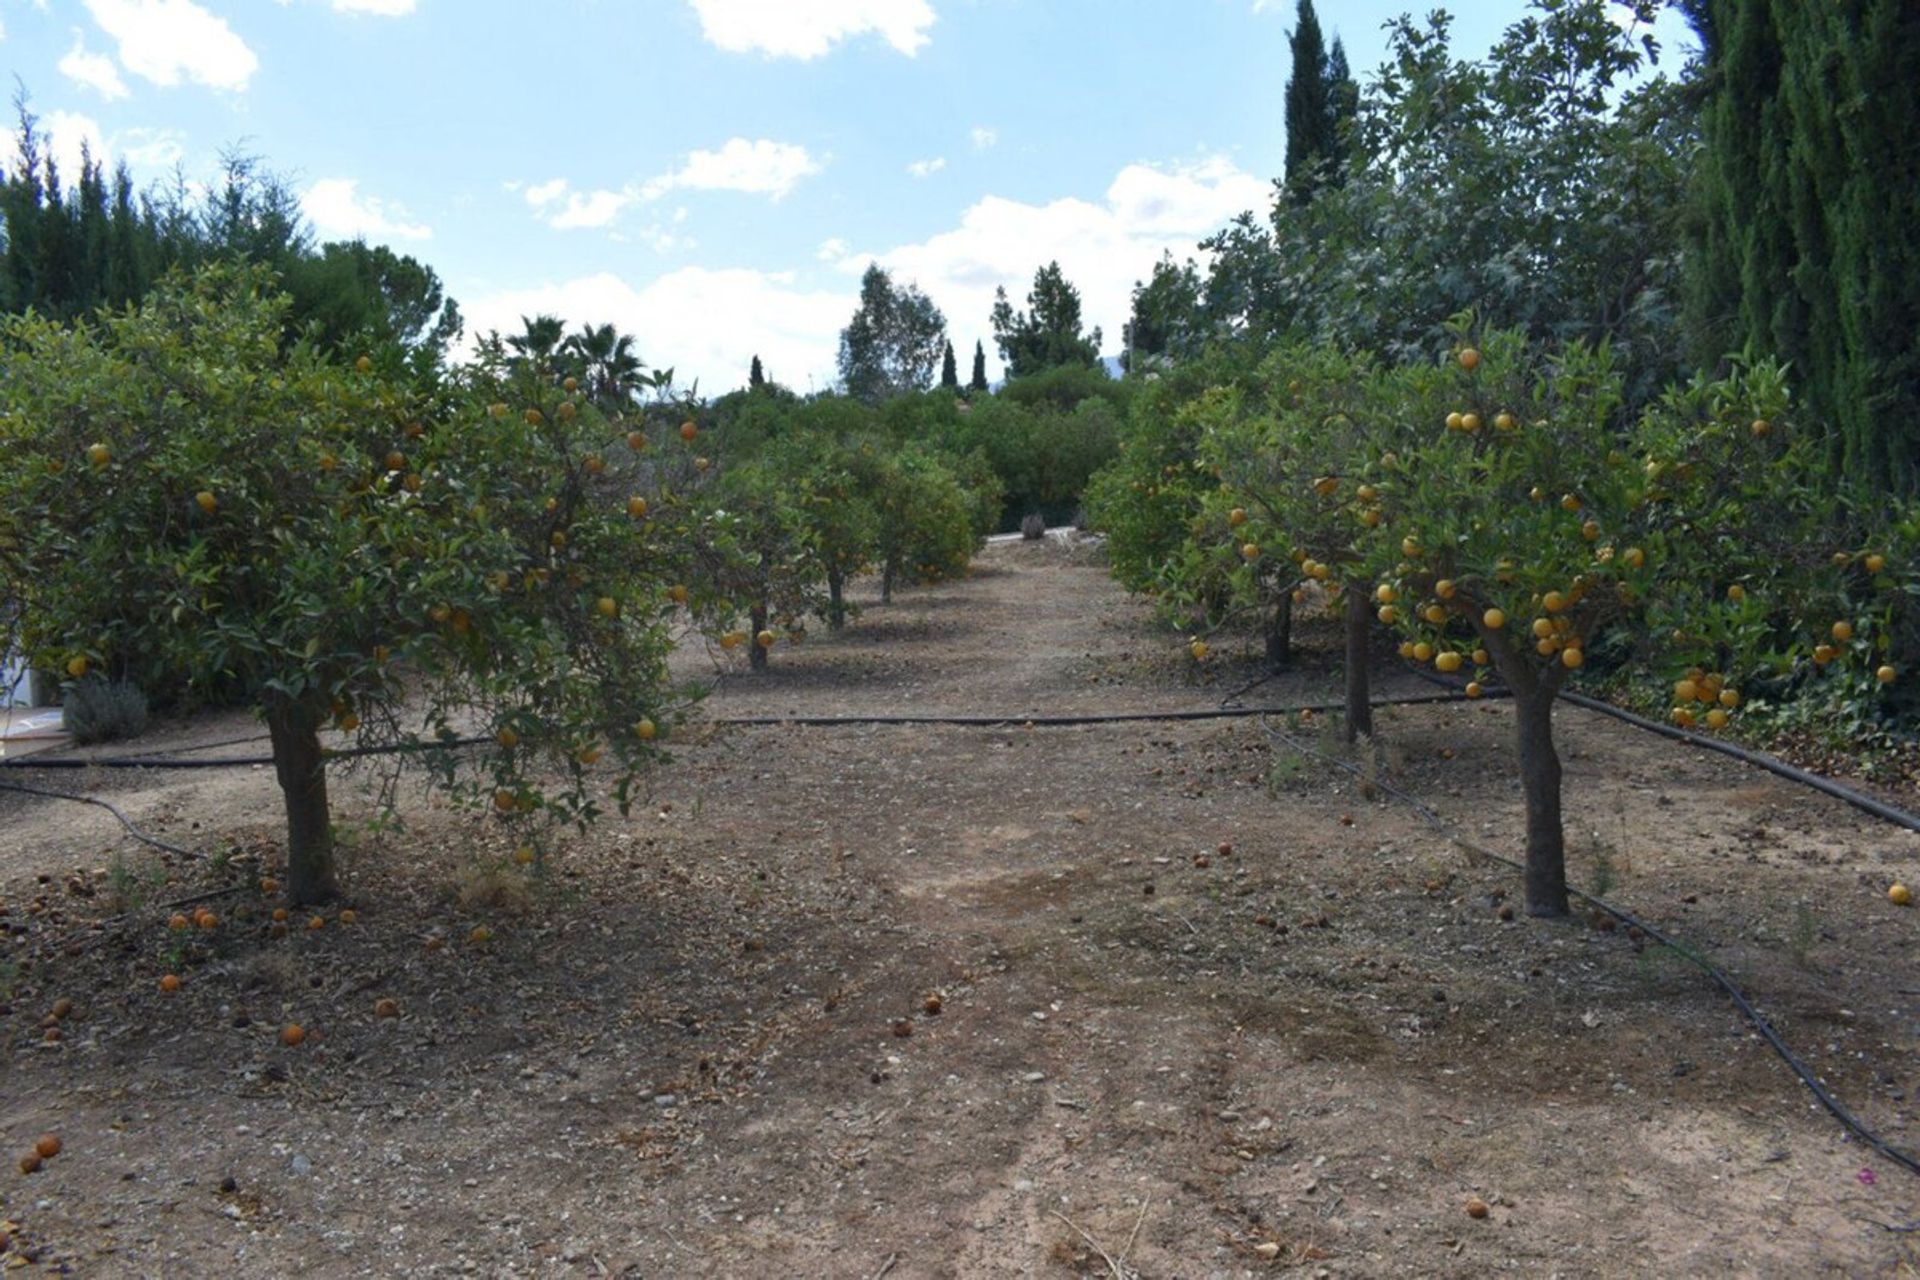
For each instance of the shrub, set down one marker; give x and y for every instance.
(105, 711)
(1033, 528)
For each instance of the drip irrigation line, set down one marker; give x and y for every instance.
(1246, 689)
(1758, 759)
(132, 830)
(1042, 721)
(1068, 721)
(1837, 1109)
(227, 762)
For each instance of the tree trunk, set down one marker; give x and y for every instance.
(886, 582)
(1359, 689)
(1280, 634)
(836, 599)
(295, 731)
(757, 656)
(1540, 782)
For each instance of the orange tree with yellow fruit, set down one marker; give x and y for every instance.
(1526, 522)
(1293, 494)
(196, 499)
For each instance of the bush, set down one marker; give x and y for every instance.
(1033, 528)
(103, 711)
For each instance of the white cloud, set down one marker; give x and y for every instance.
(558, 205)
(338, 210)
(93, 71)
(806, 29)
(927, 168)
(151, 148)
(65, 134)
(167, 41)
(708, 324)
(378, 8)
(761, 167)
(705, 324)
(1103, 247)
(983, 137)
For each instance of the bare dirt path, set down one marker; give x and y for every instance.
(1197, 998)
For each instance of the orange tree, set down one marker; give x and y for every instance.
(1289, 491)
(757, 555)
(1525, 522)
(193, 497)
(926, 520)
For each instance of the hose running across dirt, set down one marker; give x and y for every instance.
(1821, 1093)
(126, 822)
(1886, 812)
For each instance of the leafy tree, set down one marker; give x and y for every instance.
(1530, 522)
(195, 499)
(1809, 227)
(758, 557)
(1047, 334)
(1167, 315)
(949, 370)
(894, 341)
(978, 382)
(925, 518)
(362, 296)
(1537, 186)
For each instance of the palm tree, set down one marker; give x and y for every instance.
(538, 342)
(610, 373)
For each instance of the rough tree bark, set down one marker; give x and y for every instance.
(1534, 693)
(1359, 688)
(302, 770)
(836, 599)
(1540, 783)
(757, 655)
(1280, 634)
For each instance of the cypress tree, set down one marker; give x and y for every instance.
(756, 377)
(1343, 104)
(949, 370)
(1808, 230)
(979, 380)
(1309, 104)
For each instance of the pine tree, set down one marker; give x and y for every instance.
(756, 377)
(1047, 335)
(979, 380)
(949, 370)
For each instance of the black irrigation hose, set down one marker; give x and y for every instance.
(227, 762)
(1772, 764)
(132, 830)
(1057, 721)
(1758, 759)
(1837, 1109)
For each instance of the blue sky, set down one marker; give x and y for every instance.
(713, 175)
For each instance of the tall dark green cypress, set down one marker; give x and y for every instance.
(1808, 241)
(949, 370)
(1321, 99)
(756, 376)
(979, 380)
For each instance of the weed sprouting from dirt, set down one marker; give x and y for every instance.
(494, 890)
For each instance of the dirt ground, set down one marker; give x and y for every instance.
(1204, 1008)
